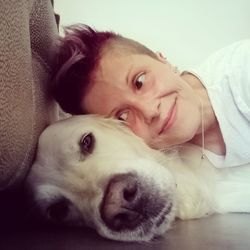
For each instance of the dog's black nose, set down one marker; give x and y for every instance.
(123, 203)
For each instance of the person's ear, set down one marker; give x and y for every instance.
(161, 57)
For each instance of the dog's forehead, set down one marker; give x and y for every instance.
(79, 124)
(73, 128)
(110, 138)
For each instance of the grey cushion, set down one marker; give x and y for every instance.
(28, 33)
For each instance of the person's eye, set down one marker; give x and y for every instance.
(139, 81)
(123, 116)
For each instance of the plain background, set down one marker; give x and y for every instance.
(185, 31)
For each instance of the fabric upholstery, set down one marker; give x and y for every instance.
(27, 47)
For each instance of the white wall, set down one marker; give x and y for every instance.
(186, 31)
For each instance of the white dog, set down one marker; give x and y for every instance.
(93, 171)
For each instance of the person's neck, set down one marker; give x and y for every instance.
(209, 135)
(213, 140)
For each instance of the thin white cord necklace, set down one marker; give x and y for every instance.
(202, 132)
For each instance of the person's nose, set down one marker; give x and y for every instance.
(150, 110)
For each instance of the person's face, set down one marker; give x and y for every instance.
(157, 104)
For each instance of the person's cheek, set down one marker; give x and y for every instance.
(142, 132)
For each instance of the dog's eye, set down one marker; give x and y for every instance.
(58, 211)
(87, 143)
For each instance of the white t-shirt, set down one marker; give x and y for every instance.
(226, 76)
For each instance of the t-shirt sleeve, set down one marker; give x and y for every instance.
(239, 74)
(226, 76)
(228, 70)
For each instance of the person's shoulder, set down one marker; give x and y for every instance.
(239, 76)
(235, 54)
(241, 44)
(240, 50)
(228, 63)
(232, 51)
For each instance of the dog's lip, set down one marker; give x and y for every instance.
(169, 120)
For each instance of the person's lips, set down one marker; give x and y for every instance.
(168, 122)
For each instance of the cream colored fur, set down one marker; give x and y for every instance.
(193, 187)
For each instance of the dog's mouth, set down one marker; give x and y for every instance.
(135, 208)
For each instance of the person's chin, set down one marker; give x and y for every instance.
(159, 143)
(163, 142)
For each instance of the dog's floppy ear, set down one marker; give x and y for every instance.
(54, 206)
(45, 193)
(52, 203)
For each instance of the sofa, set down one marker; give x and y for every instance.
(28, 33)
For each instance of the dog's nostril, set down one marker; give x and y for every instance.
(129, 193)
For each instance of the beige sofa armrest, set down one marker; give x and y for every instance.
(27, 47)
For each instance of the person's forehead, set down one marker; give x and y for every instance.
(108, 84)
(113, 61)
(100, 97)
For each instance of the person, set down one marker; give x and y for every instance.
(101, 72)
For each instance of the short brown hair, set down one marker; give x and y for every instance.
(79, 53)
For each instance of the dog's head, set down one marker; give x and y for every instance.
(93, 171)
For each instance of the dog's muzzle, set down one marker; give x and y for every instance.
(129, 202)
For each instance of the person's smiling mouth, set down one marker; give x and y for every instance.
(168, 122)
